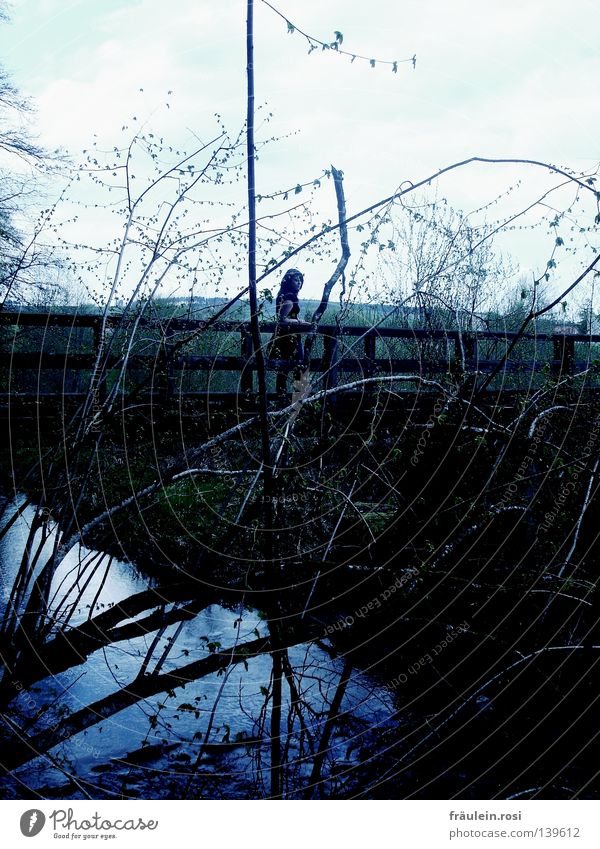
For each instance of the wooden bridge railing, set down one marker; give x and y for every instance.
(349, 349)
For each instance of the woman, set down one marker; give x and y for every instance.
(285, 344)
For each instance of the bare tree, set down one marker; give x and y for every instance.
(100, 479)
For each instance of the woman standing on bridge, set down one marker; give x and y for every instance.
(285, 344)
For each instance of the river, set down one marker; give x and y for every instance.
(151, 749)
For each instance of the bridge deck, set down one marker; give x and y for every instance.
(51, 356)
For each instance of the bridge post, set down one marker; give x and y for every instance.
(470, 343)
(563, 354)
(465, 344)
(370, 344)
(330, 359)
(165, 376)
(247, 351)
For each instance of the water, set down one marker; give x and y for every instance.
(149, 748)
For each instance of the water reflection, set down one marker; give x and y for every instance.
(209, 738)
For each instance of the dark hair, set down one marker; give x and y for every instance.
(291, 274)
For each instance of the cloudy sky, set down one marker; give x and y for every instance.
(500, 78)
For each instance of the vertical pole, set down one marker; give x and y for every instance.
(330, 355)
(267, 467)
(370, 340)
(246, 379)
(255, 330)
(330, 366)
(563, 354)
(470, 343)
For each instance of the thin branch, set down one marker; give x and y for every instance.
(335, 45)
(332, 717)
(338, 179)
(582, 512)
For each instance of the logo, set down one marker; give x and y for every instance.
(32, 822)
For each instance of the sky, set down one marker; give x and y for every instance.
(516, 78)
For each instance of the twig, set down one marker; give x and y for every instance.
(584, 507)
(332, 717)
(329, 544)
(335, 45)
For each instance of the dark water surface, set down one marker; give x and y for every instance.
(148, 749)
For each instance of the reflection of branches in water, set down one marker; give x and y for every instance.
(25, 749)
(27, 566)
(71, 647)
(260, 730)
(211, 719)
(17, 730)
(302, 679)
(300, 747)
(96, 557)
(332, 717)
(310, 706)
(297, 701)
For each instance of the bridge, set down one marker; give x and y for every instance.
(47, 357)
